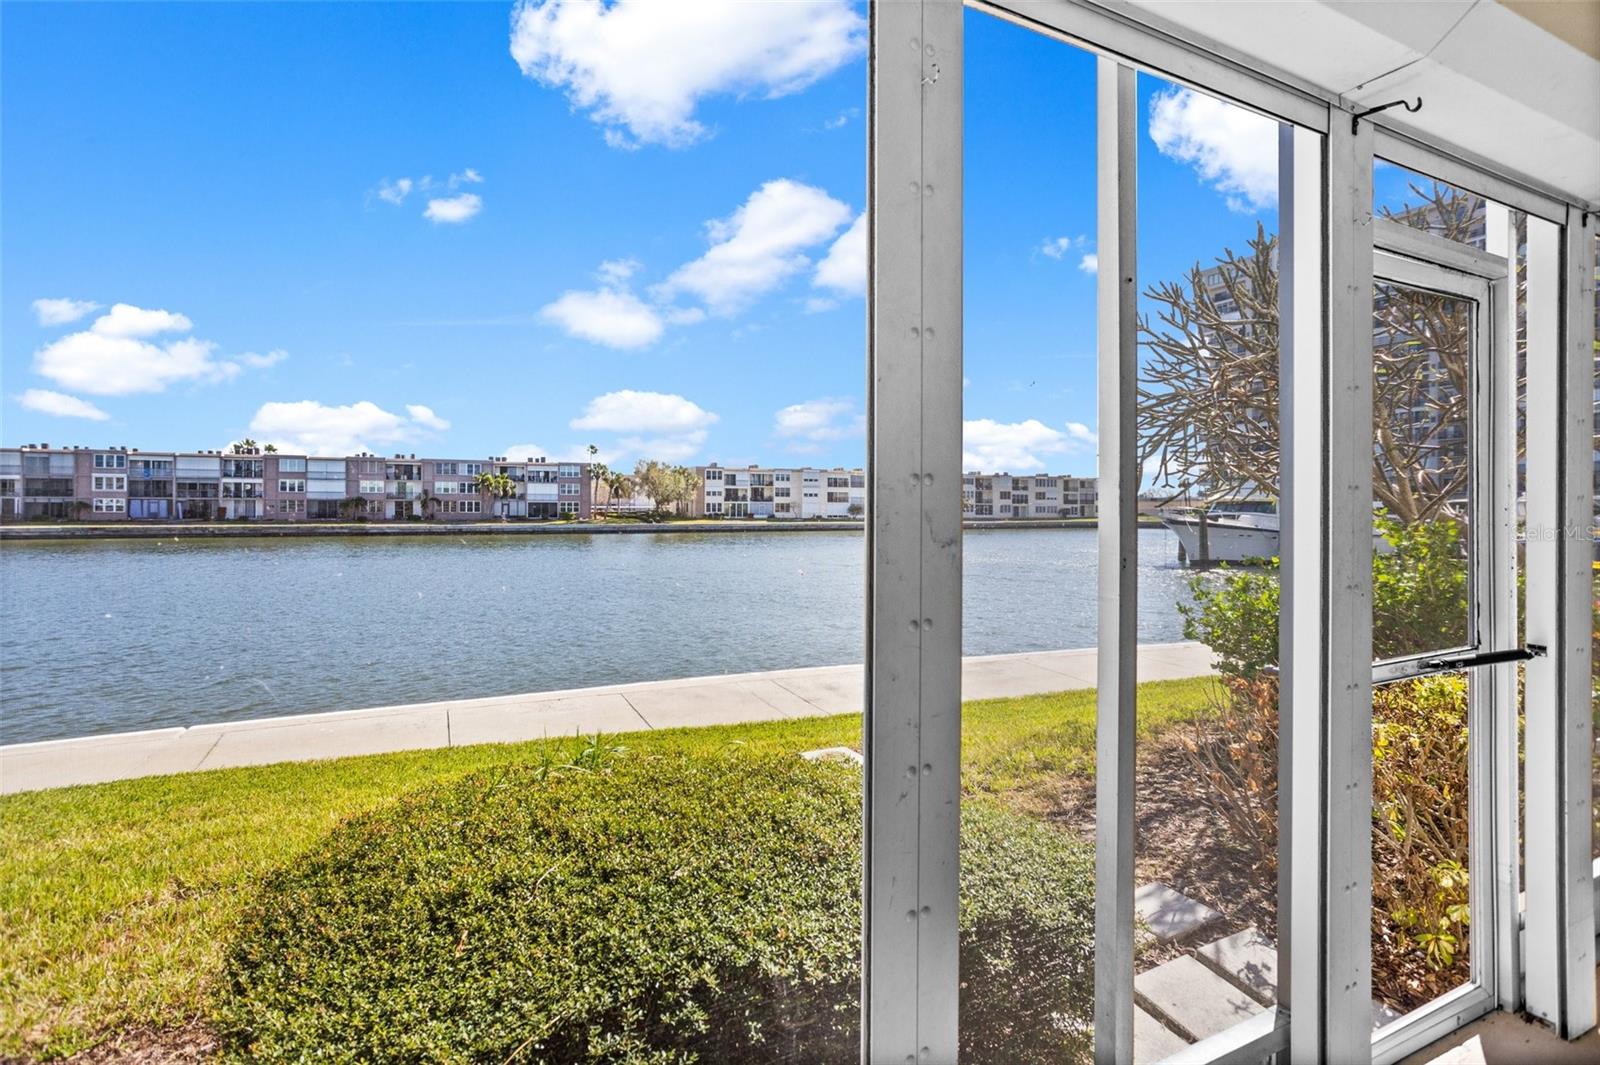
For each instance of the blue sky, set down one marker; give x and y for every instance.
(473, 229)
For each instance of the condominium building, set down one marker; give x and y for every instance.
(798, 492)
(1001, 496)
(805, 492)
(38, 482)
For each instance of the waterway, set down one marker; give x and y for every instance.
(111, 636)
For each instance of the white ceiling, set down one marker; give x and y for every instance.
(1492, 82)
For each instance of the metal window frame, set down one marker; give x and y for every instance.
(912, 725)
(1401, 259)
(1098, 29)
(1395, 144)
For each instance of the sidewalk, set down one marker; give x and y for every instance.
(724, 700)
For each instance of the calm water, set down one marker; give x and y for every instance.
(118, 635)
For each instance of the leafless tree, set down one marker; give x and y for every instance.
(1208, 394)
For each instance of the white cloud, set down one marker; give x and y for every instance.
(126, 320)
(454, 209)
(817, 421)
(62, 311)
(115, 366)
(1231, 148)
(989, 446)
(425, 417)
(61, 405)
(678, 448)
(319, 429)
(113, 357)
(658, 425)
(753, 251)
(610, 316)
(1090, 263)
(261, 362)
(524, 452)
(1083, 434)
(394, 192)
(640, 67)
(1058, 247)
(758, 246)
(842, 119)
(844, 269)
(643, 412)
(616, 271)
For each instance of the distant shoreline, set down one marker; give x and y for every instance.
(257, 529)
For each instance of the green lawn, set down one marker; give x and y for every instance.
(117, 900)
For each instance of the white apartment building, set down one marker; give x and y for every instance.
(812, 493)
(1000, 496)
(801, 492)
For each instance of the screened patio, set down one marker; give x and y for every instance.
(1468, 317)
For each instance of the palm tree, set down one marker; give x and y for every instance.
(244, 447)
(618, 484)
(270, 449)
(599, 473)
(427, 500)
(495, 486)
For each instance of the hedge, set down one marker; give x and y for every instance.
(663, 908)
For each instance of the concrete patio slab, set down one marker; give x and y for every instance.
(1152, 1040)
(1506, 1039)
(1248, 960)
(1170, 914)
(1193, 999)
(691, 701)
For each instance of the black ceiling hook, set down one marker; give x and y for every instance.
(1355, 119)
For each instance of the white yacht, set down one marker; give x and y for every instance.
(1232, 531)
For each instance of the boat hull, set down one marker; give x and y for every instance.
(1226, 541)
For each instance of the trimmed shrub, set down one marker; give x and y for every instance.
(663, 908)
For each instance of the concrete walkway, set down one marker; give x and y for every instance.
(789, 693)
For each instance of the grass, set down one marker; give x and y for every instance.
(118, 901)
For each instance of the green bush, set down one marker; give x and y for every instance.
(1235, 613)
(1419, 592)
(1419, 600)
(1421, 903)
(662, 908)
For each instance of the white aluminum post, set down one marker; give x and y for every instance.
(913, 685)
(1336, 1026)
(1500, 238)
(1302, 377)
(1560, 908)
(1118, 565)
